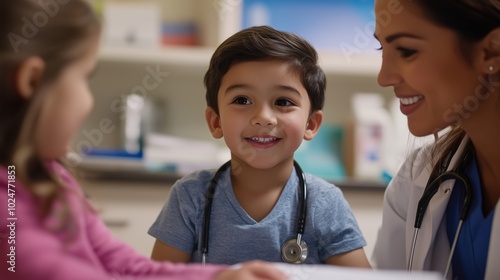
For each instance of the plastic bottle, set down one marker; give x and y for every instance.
(373, 136)
(401, 135)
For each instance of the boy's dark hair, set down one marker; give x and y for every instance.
(261, 43)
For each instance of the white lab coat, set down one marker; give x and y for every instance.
(393, 245)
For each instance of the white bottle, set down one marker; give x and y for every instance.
(372, 136)
(399, 150)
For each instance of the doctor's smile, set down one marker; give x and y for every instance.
(410, 104)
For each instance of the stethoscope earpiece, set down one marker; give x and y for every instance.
(292, 252)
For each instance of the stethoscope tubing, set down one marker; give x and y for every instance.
(429, 192)
(209, 199)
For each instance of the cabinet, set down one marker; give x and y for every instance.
(128, 208)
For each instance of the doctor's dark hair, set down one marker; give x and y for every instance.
(471, 20)
(58, 32)
(264, 43)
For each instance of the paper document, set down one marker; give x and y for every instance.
(329, 272)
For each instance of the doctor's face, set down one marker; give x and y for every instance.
(425, 65)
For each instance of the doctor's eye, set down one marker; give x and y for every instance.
(240, 100)
(284, 102)
(405, 53)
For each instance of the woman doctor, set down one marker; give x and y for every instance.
(442, 58)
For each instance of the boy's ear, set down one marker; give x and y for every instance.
(313, 125)
(29, 75)
(490, 52)
(213, 122)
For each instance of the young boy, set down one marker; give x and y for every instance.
(265, 93)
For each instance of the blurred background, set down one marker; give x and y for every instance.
(147, 128)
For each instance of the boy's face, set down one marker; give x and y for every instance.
(263, 113)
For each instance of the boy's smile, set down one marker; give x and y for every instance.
(263, 141)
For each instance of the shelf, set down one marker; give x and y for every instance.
(367, 64)
(197, 57)
(136, 171)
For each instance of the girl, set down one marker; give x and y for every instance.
(49, 231)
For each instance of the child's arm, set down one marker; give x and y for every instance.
(92, 254)
(136, 265)
(165, 252)
(339, 238)
(354, 258)
(175, 227)
(120, 259)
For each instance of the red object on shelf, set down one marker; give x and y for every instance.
(179, 40)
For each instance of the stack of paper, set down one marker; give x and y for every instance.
(186, 154)
(329, 272)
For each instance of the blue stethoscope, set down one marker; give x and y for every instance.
(292, 251)
(438, 176)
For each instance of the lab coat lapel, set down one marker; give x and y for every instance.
(433, 216)
(492, 267)
(423, 239)
(430, 225)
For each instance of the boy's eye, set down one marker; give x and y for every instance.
(283, 102)
(405, 53)
(242, 101)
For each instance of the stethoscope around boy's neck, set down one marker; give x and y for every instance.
(438, 176)
(292, 251)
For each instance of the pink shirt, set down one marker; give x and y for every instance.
(34, 252)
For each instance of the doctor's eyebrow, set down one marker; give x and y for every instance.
(395, 36)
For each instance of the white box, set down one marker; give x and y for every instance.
(132, 25)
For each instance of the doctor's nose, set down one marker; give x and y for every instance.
(388, 74)
(264, 116)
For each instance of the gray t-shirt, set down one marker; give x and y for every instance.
(235, 237)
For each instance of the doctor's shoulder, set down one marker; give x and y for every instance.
(420, 160)
(402, 189)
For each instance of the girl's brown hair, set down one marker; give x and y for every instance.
(59, 32)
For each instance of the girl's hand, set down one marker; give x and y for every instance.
(253, 270)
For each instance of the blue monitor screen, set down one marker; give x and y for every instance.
(339, 25)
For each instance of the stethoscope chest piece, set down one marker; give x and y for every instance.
(292, 252)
